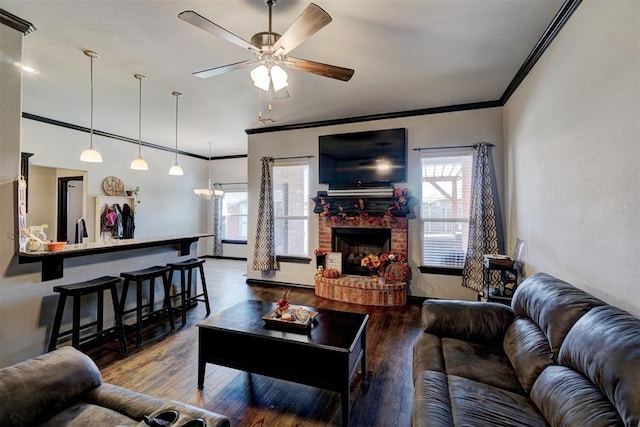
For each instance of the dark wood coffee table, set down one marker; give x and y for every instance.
(325, 356)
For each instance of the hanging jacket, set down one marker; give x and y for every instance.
(128, 223)
(116, 232)
(81, 230)
(107, 219)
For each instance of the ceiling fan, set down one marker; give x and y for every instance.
(272, 49)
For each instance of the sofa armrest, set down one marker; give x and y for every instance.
(33, 390)
(481, 322)
(136, 405)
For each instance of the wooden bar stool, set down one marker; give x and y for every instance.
(139, 277)
(185, 287)
(77, 291)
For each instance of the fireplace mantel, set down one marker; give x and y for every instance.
(353, 205)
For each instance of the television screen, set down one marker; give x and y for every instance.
(363, 158)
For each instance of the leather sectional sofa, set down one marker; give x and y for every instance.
(558, 356)
(65, 388)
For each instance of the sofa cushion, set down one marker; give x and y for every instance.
(482, 323)
(604, 346)
(484, 363)
(34, 390)
(554, 305)
(480, 362)
(528, 350)
(448, 400)
(568, 398)
(83, 414)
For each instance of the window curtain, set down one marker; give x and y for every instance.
(217, 226)
(485, 222)
(264, 250)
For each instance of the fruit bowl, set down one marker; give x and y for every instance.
(56, 246)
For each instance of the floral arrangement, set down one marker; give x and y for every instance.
(319, 252)
(371, 262)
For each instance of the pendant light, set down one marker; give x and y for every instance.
(139, 164)
(211, 191)
(176, 169)
(91, 155)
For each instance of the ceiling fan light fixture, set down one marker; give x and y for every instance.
(278, 78)
(260, 77)
(91, 155)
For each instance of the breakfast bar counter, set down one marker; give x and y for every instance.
(53, 261)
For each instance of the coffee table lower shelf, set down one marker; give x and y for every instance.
(318, 358)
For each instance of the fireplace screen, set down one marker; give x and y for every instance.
(356, 243)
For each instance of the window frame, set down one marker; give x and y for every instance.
(294, 258)
(223, 218)
(447, 153)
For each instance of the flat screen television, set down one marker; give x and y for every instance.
(363, 159)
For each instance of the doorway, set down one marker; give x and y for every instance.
(70, 207)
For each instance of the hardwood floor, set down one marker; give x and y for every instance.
(166, 365)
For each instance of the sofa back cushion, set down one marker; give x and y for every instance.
(567, 398)
(34, 390)
(604, 346)
(553, 305)
(528, 350)
(465, 320)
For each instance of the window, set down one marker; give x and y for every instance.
(291, 208)
(234, 215)
(445, 209)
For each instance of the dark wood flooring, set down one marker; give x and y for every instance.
(166, 364)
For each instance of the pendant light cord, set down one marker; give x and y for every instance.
(91, 107)
(140, 117)
(176, 157)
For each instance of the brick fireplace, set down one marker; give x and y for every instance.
(397, 226)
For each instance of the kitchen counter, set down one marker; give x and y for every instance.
(53, 262)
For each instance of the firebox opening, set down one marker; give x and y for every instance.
(356, 243)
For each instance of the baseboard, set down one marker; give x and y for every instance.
(277, 284)
(233, 258)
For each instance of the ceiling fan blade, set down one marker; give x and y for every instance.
(201, 22)
(224, 69)
(325, 70)
(310, 21)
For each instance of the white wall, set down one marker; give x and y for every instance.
(27, 305)
(167, 206)
(450, 129)
(573, 132)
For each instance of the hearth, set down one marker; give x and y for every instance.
(356, 243)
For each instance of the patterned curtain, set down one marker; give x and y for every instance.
(217, 226)
(485, 222)
(264, 251)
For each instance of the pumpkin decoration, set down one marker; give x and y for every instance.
(331, 273)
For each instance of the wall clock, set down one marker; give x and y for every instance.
(113, 186)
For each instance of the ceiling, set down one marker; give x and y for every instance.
(407, 55)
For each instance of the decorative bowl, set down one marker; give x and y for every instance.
(56, 246)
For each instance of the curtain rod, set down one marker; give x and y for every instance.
(230, 183)
(292, 157)
(449, 147)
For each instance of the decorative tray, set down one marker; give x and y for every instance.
(290, 318)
